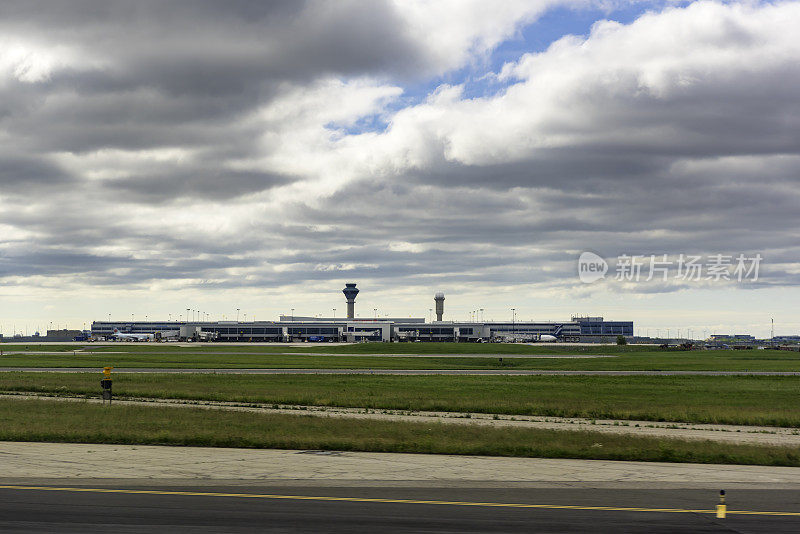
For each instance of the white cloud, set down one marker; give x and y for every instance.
(29, 63)
(455, 32)
(634, 85)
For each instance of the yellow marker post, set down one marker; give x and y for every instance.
(722, 508)
(105, 383)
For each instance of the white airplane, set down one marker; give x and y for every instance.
(132, 337)
(546, 337)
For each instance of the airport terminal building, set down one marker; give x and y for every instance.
(579, 329)
(351, 329)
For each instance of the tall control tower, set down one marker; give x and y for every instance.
(439, 299)
(350, 293)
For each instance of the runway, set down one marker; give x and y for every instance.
(465, 372)
(101, 508)
(125, 488)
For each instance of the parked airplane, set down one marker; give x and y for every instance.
(132, 337)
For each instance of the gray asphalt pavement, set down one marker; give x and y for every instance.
(397, 371)
(356, 509)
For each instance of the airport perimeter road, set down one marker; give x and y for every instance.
(476, 372)
(115, 508)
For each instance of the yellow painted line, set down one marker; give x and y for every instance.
(397, 501)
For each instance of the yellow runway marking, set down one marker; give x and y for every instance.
(398, 501)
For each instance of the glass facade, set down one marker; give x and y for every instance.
(606, 328)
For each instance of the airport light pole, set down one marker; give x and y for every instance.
(237, 315)
(292, 314)
(430, 315)
(513, 318)
(187, 315)
(376, 312)
(334, 313)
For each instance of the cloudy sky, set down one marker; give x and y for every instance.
(161, 156)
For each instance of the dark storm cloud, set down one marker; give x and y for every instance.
(27, 174)
(215, 49)
(200, 182)
(109, 269)
(152, 74)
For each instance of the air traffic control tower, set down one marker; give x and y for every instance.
(350, 293)
(439, 300)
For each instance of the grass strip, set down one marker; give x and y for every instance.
(742, 400)
(490, 357)
(353, 348)
(36, 420)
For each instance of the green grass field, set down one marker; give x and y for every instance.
(34, 420)
(353, 348)
(749, 400)
(147, 355)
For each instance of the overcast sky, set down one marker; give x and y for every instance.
(158, 156)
